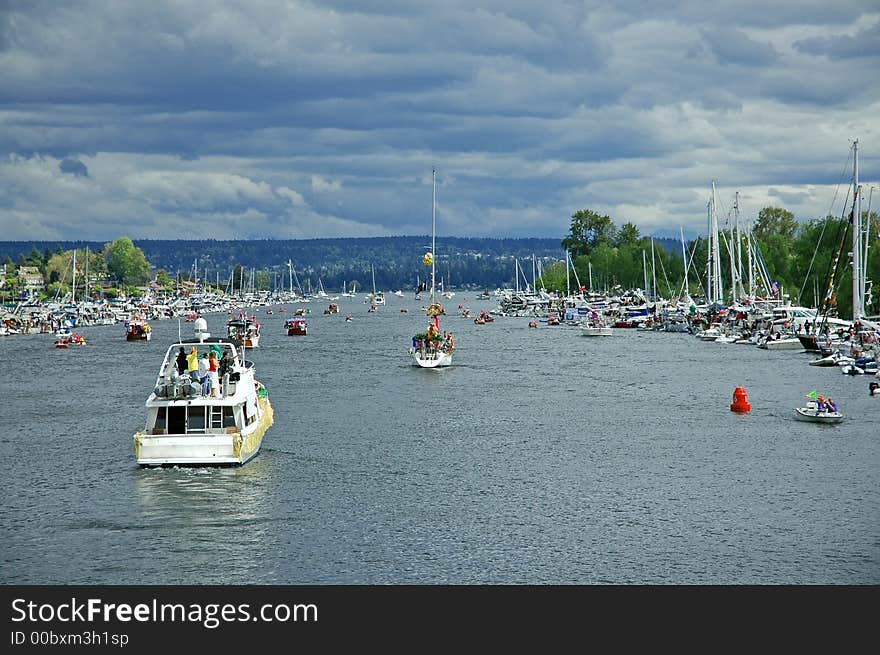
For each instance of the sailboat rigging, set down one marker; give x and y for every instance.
(433, 348)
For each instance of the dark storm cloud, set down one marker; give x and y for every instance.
(731, 46)
(73, 167)
(865, 43)
(325, 118)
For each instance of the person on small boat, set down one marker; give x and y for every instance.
(820, 405)
(830, 405)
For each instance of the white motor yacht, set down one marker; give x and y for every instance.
(186, 428)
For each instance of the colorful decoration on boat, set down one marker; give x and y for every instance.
(428, 259)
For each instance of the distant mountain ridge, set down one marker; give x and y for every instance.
(460, 261)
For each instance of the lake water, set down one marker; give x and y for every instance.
(541, 456)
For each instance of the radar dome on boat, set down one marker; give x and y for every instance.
(200, 328)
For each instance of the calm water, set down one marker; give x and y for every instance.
(541, 457)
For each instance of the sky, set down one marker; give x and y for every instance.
(261, 119)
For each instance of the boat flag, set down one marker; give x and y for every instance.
(428, 259)
(812, 395)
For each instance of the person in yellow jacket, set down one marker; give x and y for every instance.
(192, 364)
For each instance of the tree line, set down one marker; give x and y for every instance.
(808, 261)
(801, 257)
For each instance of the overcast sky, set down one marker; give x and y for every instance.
(269, 119)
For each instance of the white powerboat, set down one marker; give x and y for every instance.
(185, 428)
(597, 330)
(811, 414)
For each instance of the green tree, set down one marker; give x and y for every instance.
(554, 278)
(262, 280)
(163, 279)
(588, 230)
(34, 258)
(775, 220)
(57, 274)
(127, 262)
(629, 233)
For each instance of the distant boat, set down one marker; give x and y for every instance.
(818, 410)
(137, 329)
(433, 348)
(595, 326)
(68, 340)
(296, 327)
(244, 332)
(812, 415)
(376, 297)
(597, 330)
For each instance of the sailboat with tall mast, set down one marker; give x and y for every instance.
(376, 297)
(433, 348)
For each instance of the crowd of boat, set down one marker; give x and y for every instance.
(35, 317)
(774, 324)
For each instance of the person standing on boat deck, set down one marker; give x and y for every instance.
(213, 379)
(203, 370)
(192, 364)
(181, 361)
(225, 364)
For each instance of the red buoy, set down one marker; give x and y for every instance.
(740, 402)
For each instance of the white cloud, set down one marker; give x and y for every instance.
(322, 185)
(325, 118)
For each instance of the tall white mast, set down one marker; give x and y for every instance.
(73, 285)
(684, 283)
(433, 228)
(738, 250)
(716, 291)
(866, 242)
(567, 276)
(751, 262)
(86, 292)
(653, 271)
(858, 278)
